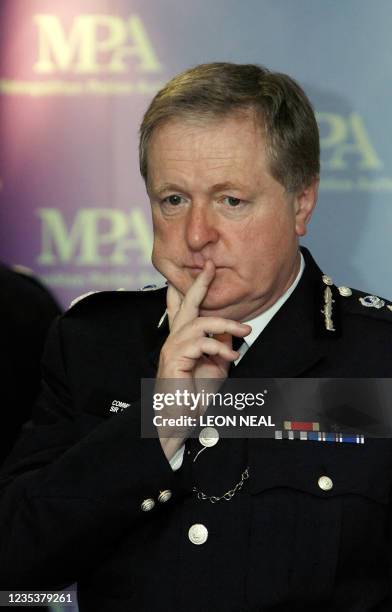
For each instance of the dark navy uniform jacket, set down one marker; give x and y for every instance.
(71, 494)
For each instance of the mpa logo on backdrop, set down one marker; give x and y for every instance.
(94, 54)
(93, 44)
(78, 251)
(96, 236)
(350, 160)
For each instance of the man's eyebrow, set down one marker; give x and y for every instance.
(215, 188)
(167, 187)
(227, 185)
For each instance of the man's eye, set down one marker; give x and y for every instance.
(174, 200)
(233, 202)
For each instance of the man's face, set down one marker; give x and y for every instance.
(213, 197)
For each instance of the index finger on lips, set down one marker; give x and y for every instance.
(195, 295)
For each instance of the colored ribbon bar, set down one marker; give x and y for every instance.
(301, 425)
(320, 436)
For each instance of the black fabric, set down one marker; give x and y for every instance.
(237, 343)
(26, 312)
(71, 491)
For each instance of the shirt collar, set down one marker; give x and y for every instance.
(259, 323)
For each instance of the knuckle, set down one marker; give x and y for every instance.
(198, 325)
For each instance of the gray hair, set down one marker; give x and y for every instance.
(214, 91)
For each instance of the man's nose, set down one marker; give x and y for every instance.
(201, 228)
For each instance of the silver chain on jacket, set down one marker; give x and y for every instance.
(226, 496)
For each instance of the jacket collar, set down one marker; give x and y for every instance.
(294, 340)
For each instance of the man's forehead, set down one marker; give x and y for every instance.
(205, 173)
(190, 134)
(220, 149)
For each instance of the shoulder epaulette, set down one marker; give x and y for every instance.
(80, 298)
(90, 295)
(364, 304)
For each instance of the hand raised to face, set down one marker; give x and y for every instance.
(197, 348)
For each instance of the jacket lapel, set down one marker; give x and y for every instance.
(293, 341)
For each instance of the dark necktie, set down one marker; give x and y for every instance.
(237, 342)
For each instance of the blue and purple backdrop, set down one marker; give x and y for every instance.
(76, 76)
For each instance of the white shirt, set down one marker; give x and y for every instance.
(258, 324)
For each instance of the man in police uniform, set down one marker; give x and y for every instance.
(230, 155)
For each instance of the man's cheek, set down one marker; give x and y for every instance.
(162, 259)
(156, 259)
(165, 262)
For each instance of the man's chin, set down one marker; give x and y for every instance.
(218, 306)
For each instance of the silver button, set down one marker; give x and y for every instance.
(164, 496)
(327, 280)
(208, 436)
(345, 291)
(325, 483)
(147, 504)
(198, 534)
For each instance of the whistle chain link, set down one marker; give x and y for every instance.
(226, 496)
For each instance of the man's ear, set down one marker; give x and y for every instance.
(304, 203)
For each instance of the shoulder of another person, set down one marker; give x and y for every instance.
(23, 274)
(20, 283)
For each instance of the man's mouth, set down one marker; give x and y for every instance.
(194, 270)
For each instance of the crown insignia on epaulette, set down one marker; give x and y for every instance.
(372, 301)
